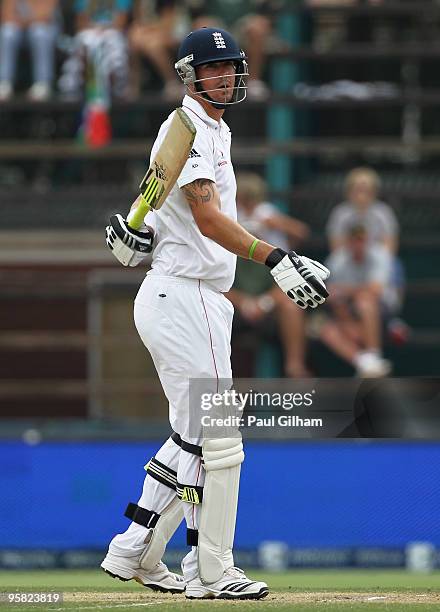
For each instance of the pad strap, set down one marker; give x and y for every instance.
(189, 493)
(162, 473)
(141, 516)
(186, 446)
(192, 537)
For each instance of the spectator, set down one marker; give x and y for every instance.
(253, 294)
(362, 206)
(36, 21)
(100, 43)
(252, 21)
(256, 213)
(360, 296)
(155, 34)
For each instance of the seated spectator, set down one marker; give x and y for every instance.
(35, 22)
(101, 44)
(254, 295)
(155, 35)
(362, 206)
(360, 297)
(252, 23)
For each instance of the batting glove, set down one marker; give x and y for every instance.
(300, 278)
(128, 245)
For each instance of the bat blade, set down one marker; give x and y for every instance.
(166, 166)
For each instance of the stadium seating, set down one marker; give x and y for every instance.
(56, 195)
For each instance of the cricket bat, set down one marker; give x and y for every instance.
(165, 167)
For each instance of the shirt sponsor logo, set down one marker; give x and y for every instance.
(194, 153)
(222, 163)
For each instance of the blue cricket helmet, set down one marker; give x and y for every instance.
(207, 45)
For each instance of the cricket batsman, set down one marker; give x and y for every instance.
(184, 320)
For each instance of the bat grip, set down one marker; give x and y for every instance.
(137, 218)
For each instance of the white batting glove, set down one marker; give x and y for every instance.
(299, 277)
(128, 245)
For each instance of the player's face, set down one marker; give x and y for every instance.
(220, 80)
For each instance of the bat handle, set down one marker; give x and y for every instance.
(139, 213)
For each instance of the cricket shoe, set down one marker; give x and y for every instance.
(158, 579)
(234, 584)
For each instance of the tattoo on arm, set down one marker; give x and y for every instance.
(200, 191)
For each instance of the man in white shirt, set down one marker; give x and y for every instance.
(185, 322)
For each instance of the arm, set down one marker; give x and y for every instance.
(300, 278)
(336, 227)
(390, 236)
(292, 227)
(204, 200)
(391, 243)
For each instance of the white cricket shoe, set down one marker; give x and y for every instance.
(128, 568)
(233, 585)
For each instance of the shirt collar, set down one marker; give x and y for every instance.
(198, 109)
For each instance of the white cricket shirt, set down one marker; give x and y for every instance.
(181, 249)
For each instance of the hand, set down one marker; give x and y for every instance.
(128, 245)
(300, 278)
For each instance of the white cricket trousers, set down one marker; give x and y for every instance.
(186, 327)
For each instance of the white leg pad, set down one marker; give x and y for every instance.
(160, 535)
(222, 462)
